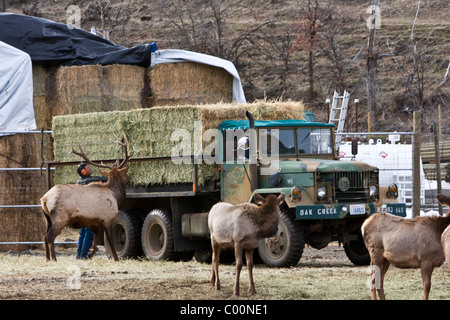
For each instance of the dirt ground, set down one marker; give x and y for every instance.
(27, 275)
(324, 274)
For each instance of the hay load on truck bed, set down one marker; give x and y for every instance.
(187, 158)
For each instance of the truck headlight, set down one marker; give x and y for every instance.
(295, 194)
(392, 192)
(321, 192)
(373, 191)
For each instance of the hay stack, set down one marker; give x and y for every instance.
(149, 132)
(189, 83)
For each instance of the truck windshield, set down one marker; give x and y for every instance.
(314, 141)
(295, 141)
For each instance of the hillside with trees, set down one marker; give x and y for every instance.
(393, 56)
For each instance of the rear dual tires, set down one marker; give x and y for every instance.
(153, 238)
(157, 238)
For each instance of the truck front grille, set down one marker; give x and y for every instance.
(352, 187)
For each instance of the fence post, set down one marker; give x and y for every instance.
(438, 163)
(416, 163)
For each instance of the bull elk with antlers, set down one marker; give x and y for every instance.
(94, 205)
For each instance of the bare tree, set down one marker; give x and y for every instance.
(202, 26)
(110, 17)
(308, 36)
(274, 45)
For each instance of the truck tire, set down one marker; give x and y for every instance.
(157, 236)
(126, 232)
(286, 248)
(357, 252)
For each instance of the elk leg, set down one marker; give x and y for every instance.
(249, 258)
(108, 233)
(215, 265)
(379, 266)
(426, 271)
(54, 231)
(384, 268)
(49, 225)
(238, 251)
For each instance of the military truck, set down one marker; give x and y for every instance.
(325, 199)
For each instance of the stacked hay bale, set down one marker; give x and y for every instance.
(90, 88)
(149, 132)
(189, 83)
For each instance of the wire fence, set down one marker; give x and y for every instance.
(14, 192)
(394, 154)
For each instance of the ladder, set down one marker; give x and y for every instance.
(339, 114)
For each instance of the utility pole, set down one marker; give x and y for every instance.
(372, 24)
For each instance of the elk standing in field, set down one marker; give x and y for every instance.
(445, 239)
(94, 205)
(404, 243)
(240, 227)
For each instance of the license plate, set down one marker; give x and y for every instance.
(357, 209)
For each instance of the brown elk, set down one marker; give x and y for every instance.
(94, 205)
(445, 239)
(240, 227)
(404, 243)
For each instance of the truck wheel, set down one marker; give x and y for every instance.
(357, 252)
(286, 248)
(126, 232)
(157, 236)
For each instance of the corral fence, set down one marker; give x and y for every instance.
(17, 185)
(399, 158)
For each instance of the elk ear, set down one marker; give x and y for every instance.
(124, 170)
(281, 198)
(104, 173)
(259, 199)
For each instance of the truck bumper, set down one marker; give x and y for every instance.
(342, 210)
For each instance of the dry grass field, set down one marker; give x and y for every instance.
(321, 275)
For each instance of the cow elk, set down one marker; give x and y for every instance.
(240, 227)
(404, 243)
(445, 240)
(94, 205)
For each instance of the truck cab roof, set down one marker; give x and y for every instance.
(244, 124)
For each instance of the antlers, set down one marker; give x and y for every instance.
(124, 143)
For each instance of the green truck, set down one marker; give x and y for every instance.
(325, 199)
